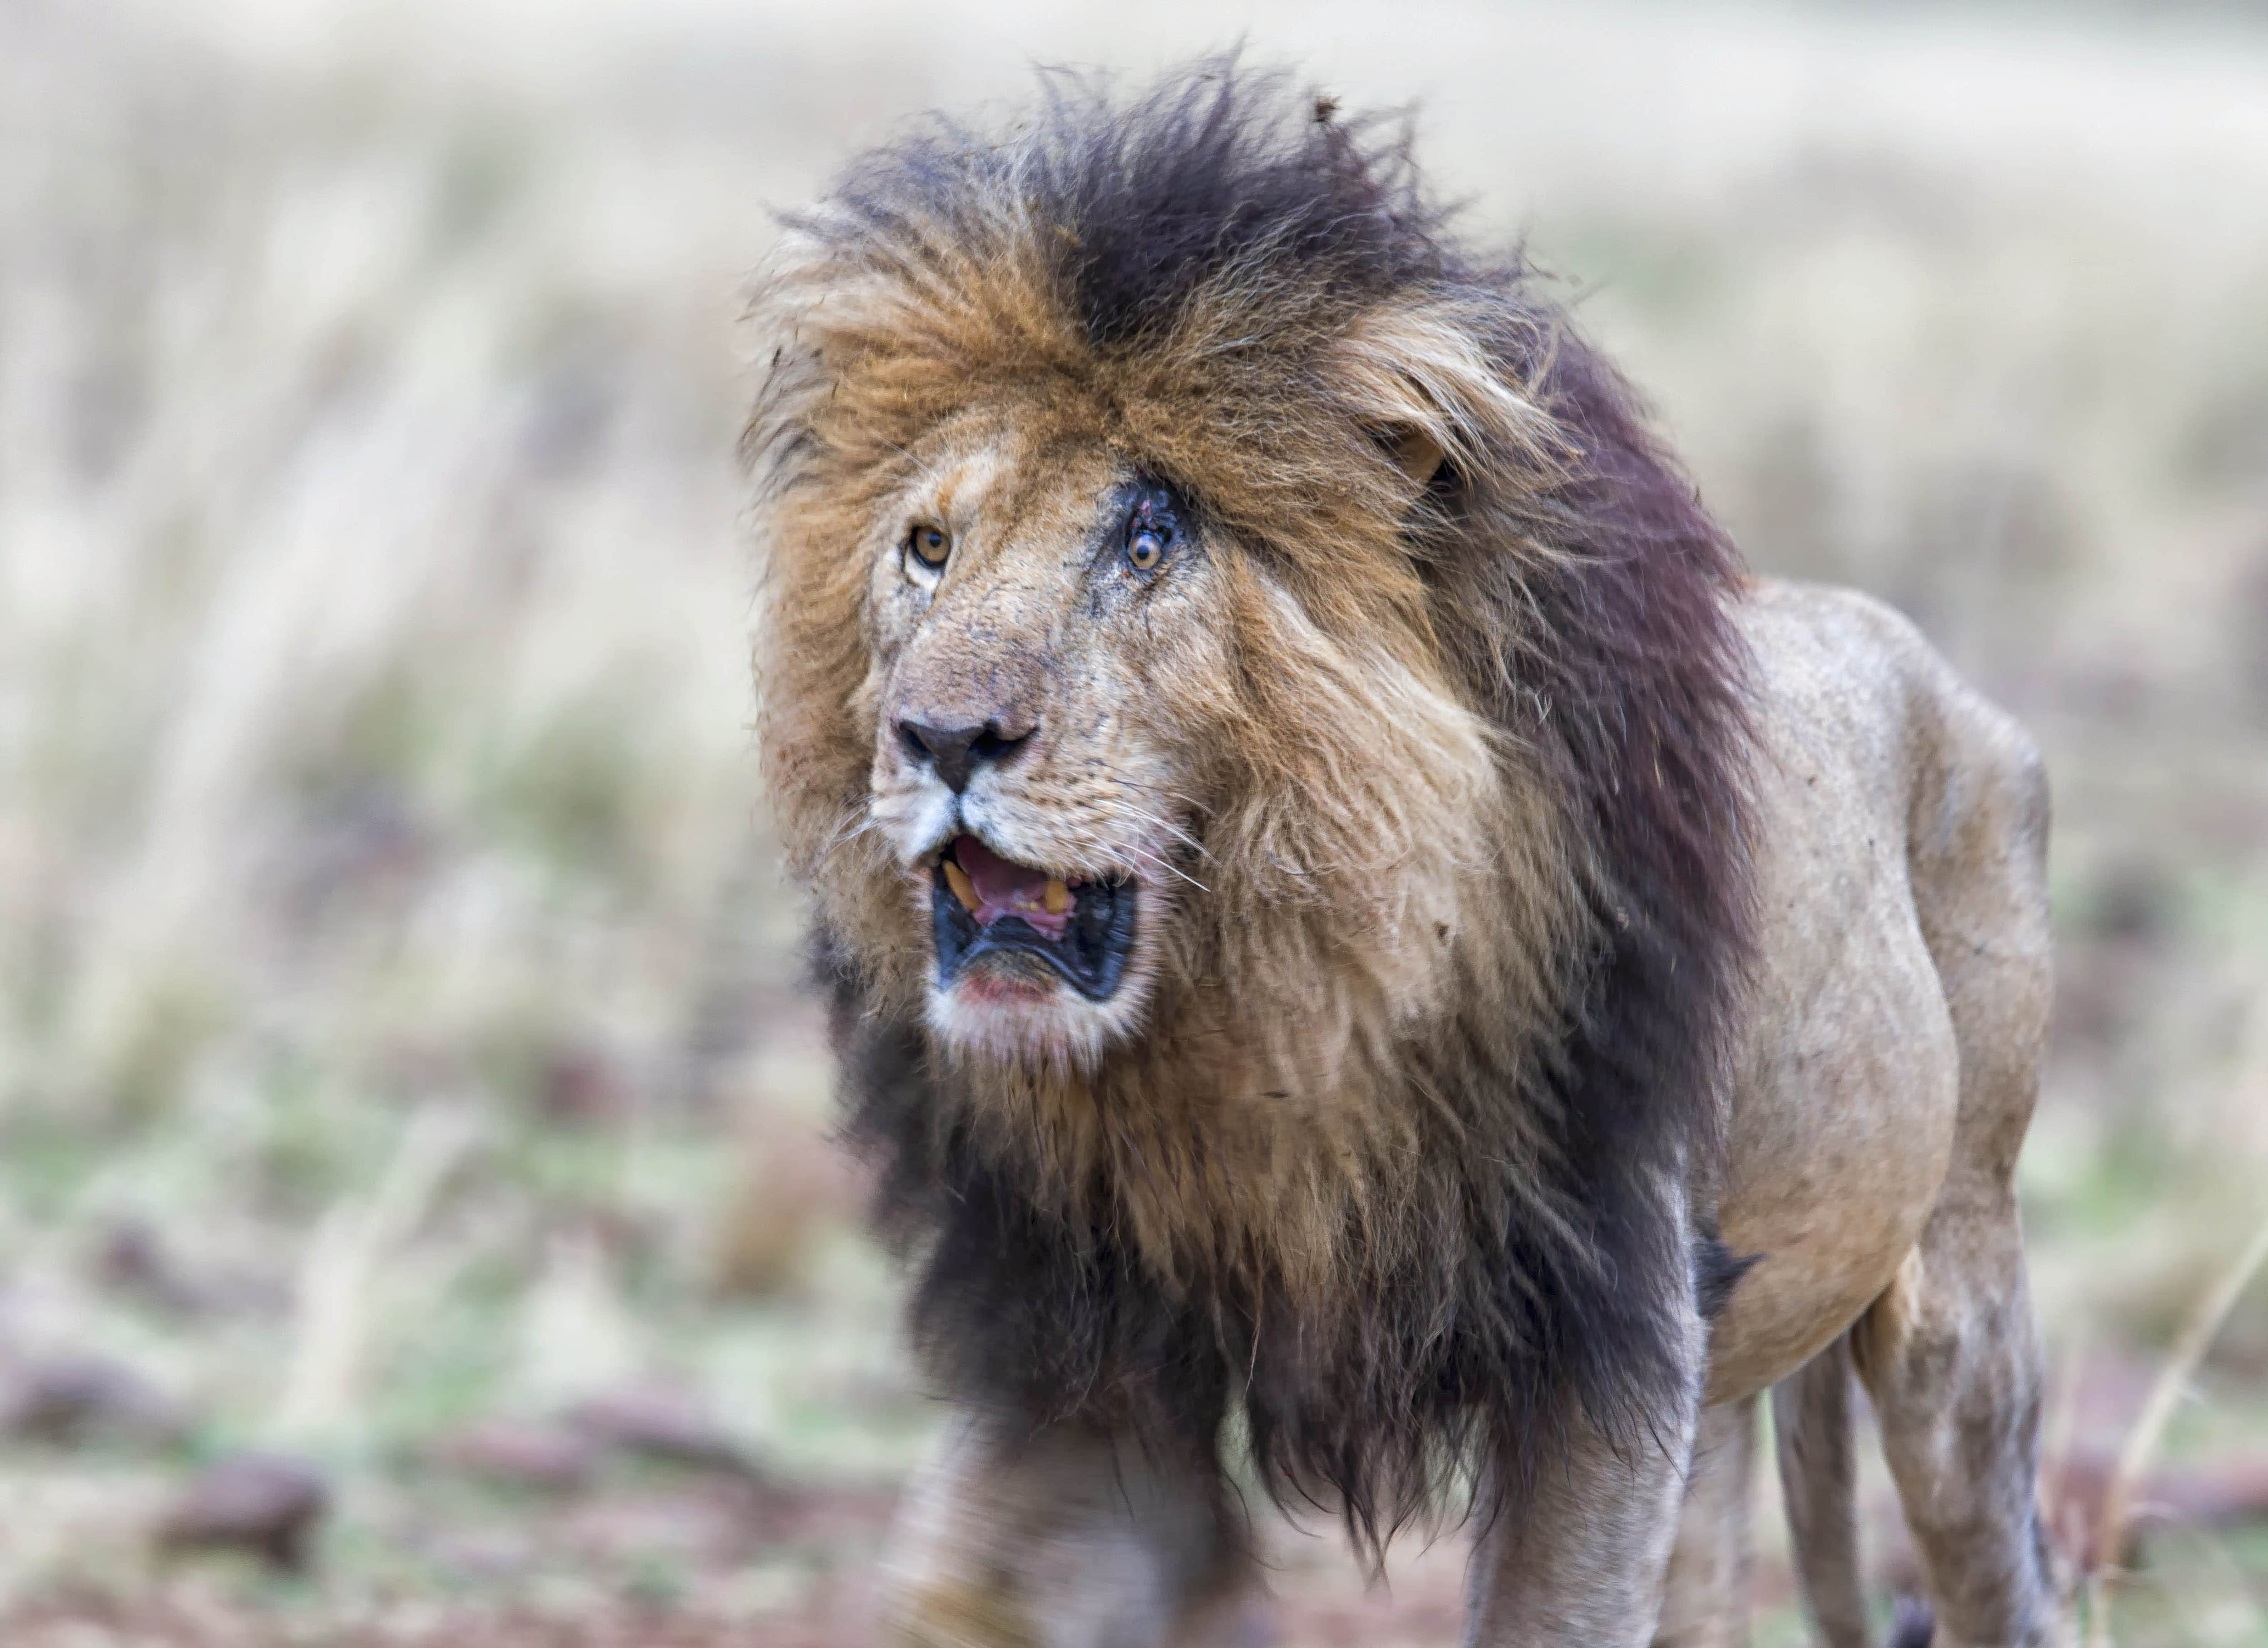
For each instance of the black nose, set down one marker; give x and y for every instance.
(957, 753)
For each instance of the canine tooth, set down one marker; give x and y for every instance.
(963, 889)
(1059, 898)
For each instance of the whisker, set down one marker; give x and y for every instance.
(1173, 830)
(855, 824)
(1171, 870)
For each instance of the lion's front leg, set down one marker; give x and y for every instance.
(1582, 1561)
(1068, 1538)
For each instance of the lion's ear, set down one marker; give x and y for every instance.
(1415, 453)
(1422, 379)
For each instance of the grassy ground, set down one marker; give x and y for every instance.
(401, 1069)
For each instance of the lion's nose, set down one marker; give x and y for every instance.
(957, 753)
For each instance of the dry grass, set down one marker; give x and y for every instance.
(2146, 1439)
(397, 1029)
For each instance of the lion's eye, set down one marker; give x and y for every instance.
(1151, 534)
(927, 549)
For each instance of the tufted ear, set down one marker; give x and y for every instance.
(1424, 379)
(1415, 453)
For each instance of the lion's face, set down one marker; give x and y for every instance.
(1110, 754)
(1048, 665)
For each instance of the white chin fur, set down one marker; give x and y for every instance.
(1061, 1030)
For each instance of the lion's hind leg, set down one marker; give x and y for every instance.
(1948, 1352)
(1816, 1444)
(1954, 1371)
(1705, 1602)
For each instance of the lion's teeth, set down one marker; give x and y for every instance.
(1058, 896)
(963, 889)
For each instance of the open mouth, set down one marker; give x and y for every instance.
(984, 905)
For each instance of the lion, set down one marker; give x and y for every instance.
(1365, 949)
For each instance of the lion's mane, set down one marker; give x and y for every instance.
(1478, 1234)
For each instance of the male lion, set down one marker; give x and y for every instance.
(1352, 924)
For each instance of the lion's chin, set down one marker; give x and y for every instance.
(1006, 1009)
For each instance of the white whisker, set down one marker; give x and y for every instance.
(1171, 870)
(1173, 830)
(853, 826)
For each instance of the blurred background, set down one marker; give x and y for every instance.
(416, 1221)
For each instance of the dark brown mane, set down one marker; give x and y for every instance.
(1578, 590)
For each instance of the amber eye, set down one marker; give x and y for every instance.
(929, 545)
(1153, 527)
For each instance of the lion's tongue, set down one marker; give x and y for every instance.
(1007, 889)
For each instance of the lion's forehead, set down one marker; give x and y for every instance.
(1009, 453)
